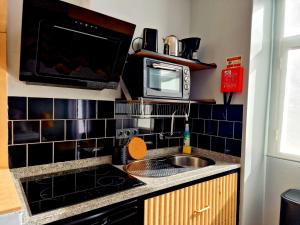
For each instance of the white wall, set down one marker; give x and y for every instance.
(11, 219)
(224, 29)
(254, 162)
(168, 16)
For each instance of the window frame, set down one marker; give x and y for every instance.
(281, 46)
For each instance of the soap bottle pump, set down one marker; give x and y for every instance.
(187, 149)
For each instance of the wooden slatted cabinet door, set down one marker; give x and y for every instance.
(208, 203)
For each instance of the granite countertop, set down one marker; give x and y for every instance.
(224, 163)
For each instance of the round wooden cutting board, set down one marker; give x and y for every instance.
(137, 148)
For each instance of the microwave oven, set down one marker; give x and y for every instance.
(151, 78)
(64, 44)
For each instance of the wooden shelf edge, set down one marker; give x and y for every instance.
(193, 65)
(167, 101)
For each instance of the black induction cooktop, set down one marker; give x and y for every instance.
(53, 191)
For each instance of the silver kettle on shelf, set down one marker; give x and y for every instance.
(171, 45)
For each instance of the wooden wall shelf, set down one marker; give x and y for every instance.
(167, 101)
(193, 65)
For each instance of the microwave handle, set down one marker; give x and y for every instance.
(164, 67)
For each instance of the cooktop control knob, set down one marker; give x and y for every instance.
(186, 71)
(186, 78)
(186, 87)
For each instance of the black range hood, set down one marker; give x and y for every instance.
(63, 44)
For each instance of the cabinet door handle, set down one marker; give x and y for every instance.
(199, 211)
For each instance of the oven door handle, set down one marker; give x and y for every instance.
(165, 67)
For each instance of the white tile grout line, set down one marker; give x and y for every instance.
(105, 126)
(12, 133)
(53, 109)
(40, 131)
(27, 100)
(96, 152)
(97, 102)
(65, 130)
(26, 147)
(76, 144)
(53, 154)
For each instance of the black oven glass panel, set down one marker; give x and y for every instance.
(65, 52)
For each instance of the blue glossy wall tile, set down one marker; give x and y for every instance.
(40, 108)
(205, 111)
(110, 128)
(106, 109)
(235, 113)
(204, 141)
(179, 124)
(225, 129)
(9, 125)
(17, 108)
(17, 156)
(26, 132)
(76, 129)
(86, 109)
(197, 125)
(95, 128)
(64, 151)
(39, 154)
(194, 139)
(218, 144)
(53, 130)
(211, 127)
(65, 108)
(238, 130)
(173, 142)
(105, 146)
(225, 124)
(233, 147)
(161, 142)
(194, 111)
(219, 112)
(150, 141)
(86, 149)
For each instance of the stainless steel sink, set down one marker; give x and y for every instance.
(190, 161)
(167, 166)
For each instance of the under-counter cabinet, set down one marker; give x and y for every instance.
(213, 202)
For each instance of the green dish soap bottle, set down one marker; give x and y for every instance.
(187, 149)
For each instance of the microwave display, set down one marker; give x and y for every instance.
(63, 51)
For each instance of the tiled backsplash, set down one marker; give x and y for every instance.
(47, 130)
(217, 127)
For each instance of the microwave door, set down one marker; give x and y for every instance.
(164, 81)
